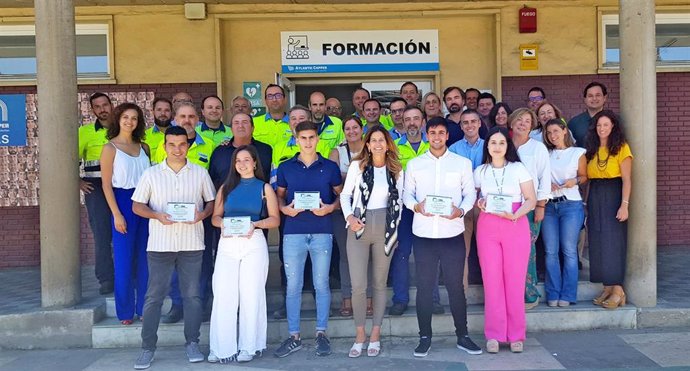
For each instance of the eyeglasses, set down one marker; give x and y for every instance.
(330, 109)
(536, 99)
(275, 96)
(397, 111)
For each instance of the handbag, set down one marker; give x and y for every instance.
(264, 209)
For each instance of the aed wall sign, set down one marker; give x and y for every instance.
(359, 51)
(13, 120)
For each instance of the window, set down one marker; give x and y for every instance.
(18, 52)
(672, 40)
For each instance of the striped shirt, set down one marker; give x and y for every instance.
(159, 185)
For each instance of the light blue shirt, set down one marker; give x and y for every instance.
(473, 152)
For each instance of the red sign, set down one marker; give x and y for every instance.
(528, 20)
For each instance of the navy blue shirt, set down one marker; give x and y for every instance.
(454, 132)
(245, 200)
(220, 164)
(322, 176)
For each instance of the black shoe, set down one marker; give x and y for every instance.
(287, 347)
(422, 349)
(280, 313)
(106, 288)
(438, 309)
(466, 344)
(174, 316)
(323, 346)
(397, 309)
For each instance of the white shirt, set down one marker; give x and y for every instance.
(128, 169)
(450, 176)
(535, 157)
(504, 181)
(159, 185)
(350, 197)
(564, 163)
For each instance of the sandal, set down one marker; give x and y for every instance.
(516, 347)
(126, 322)
(374, 349)
(345, 309)
(492, 346)
(356, 350)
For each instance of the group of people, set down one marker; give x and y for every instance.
(378, 186)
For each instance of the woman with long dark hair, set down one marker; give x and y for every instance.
(498, 116)
(371, 203)
(564, 213)
(241, 269)
(343, 155)
(503, 240)
(123, 161)
(609, 169)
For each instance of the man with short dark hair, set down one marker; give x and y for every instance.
(212, 127)
(438, 235)
(595, 95)
(397, 107)
(173, 244)
(372, 113)
(162, 119)
(472, 98)
(534, 98)
(485, 103)
(471, 147)
(272, 128)
(92, 137)
(307, 232)
(410, 93)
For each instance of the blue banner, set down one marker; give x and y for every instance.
(378, 67)
(13, 120)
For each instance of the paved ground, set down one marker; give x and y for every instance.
(587, 350)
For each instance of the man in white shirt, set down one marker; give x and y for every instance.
(432, 182)
(173, 244)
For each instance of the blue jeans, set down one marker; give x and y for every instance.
(560, 231)
(295, 249)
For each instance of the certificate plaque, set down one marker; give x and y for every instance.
(236, 226)
(497, 204)
(181, 211)
(307, 200)
(438, 205)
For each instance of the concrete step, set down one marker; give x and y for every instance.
(109, 333)
(475, 295)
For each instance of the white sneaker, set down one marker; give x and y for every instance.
(244, 356)
(212, 358)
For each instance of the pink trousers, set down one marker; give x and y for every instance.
(503, 247)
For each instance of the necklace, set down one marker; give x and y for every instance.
(558, 152)
(601, 164)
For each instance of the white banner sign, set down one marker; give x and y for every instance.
(359, 51)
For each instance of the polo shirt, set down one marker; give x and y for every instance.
(455, 132)
(406, 151)
(287, 150)
(578, 126)
(217, 136)
(92, 138)
(473, 152)
(322, 176)
(221, 161)
(154, 137)
(159, 185)
(270, 131)
(331, 133)
(198, 153)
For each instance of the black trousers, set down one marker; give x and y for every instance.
(450, 253)
(100, 220)
(608, 238)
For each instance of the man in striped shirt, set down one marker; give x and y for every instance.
(175, 181)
